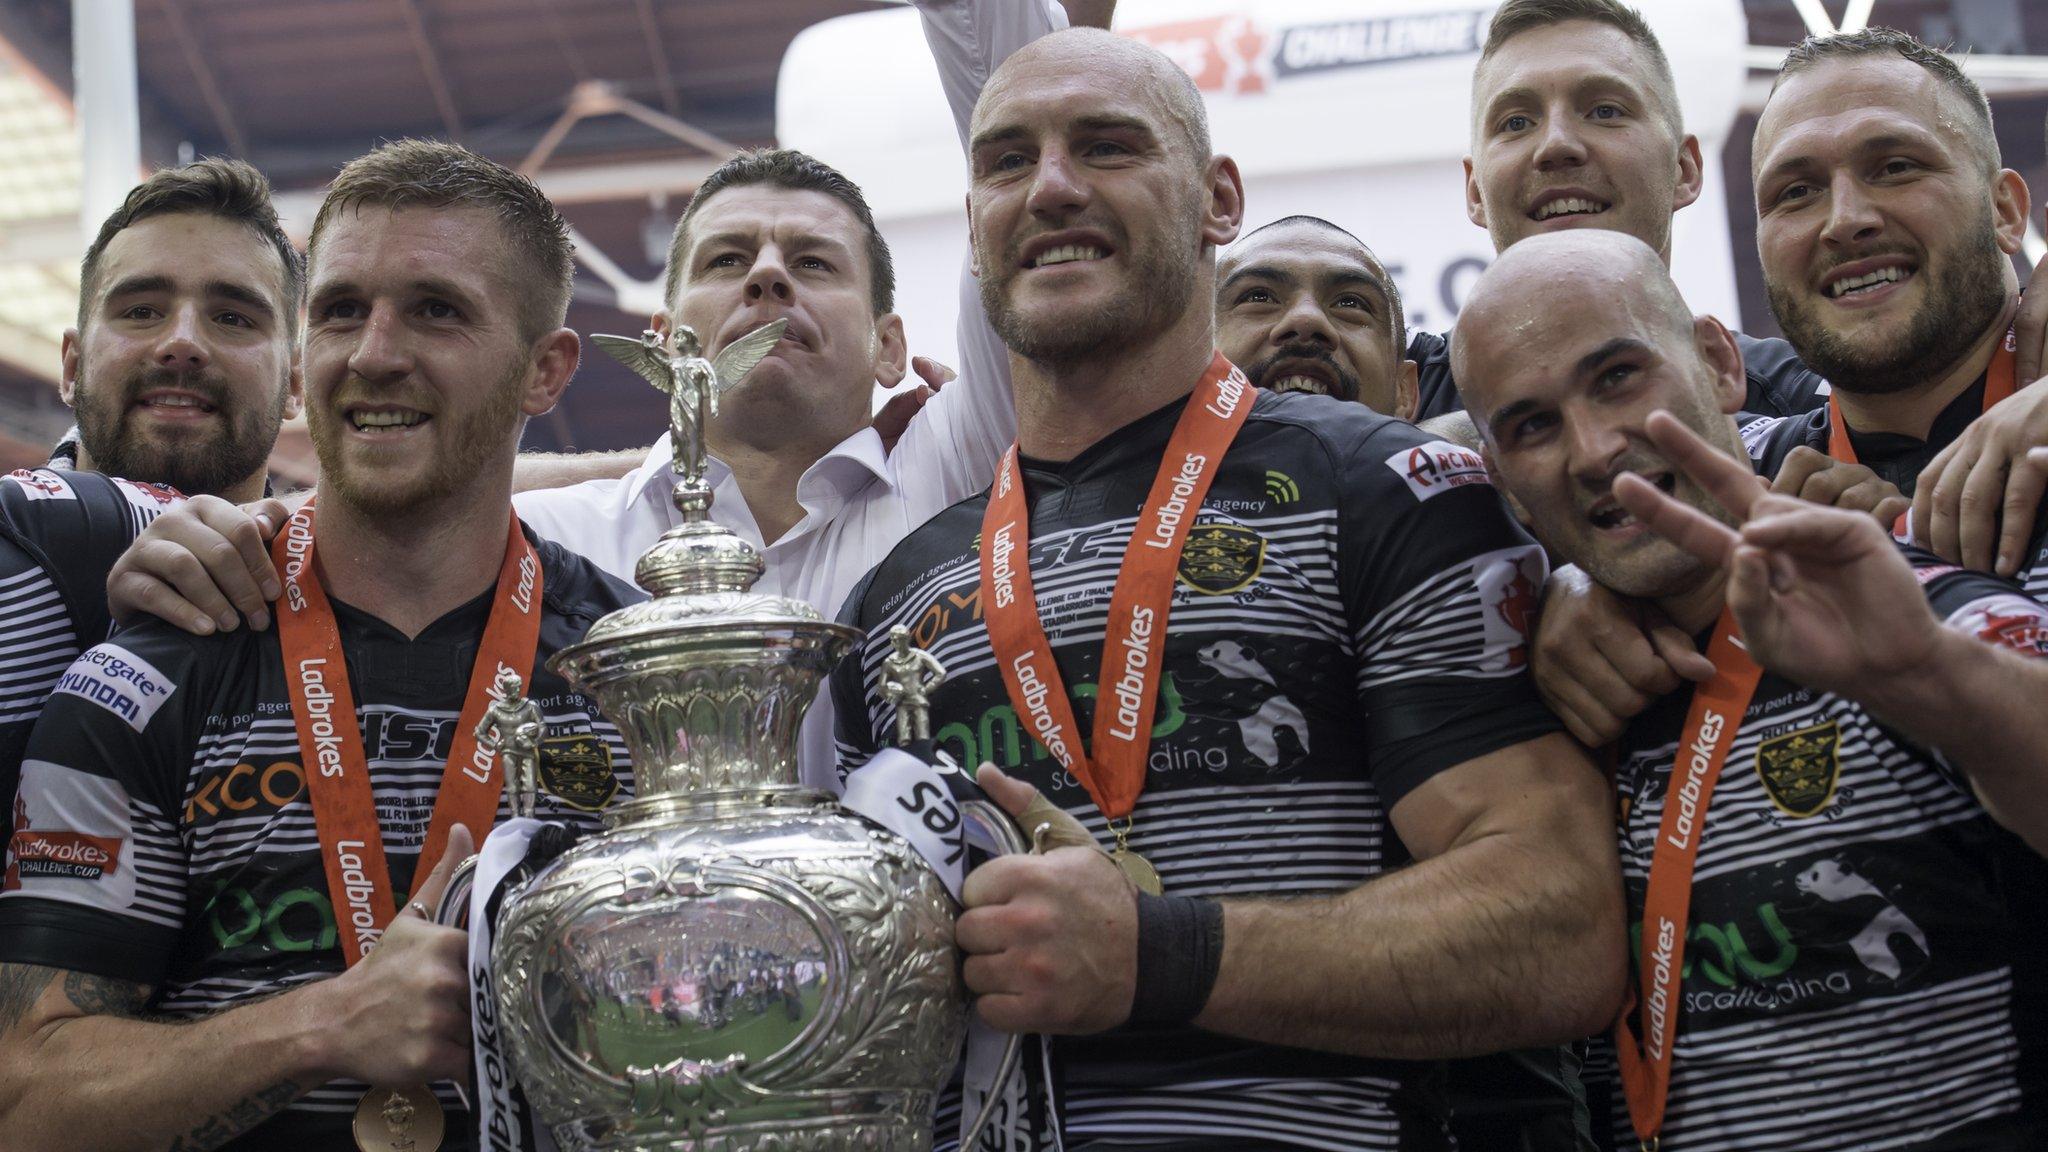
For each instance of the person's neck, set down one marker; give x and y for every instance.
(1064, 409)
(768, 455)
(410, 570)
(1696, 608)
(244, 491)
(1912, 411)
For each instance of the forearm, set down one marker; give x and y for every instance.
(533, 471)
(1980, 705)
(112, 1083)
(1089, 13)
(1510, 940)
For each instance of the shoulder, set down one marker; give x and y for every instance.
(1372, 458)
(575, 588)
(135, 674)
(1991, 609)
(1780, 383)
(1769, 439)
(1436, 391)
(71, 509)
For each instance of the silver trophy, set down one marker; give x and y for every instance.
(737, 964)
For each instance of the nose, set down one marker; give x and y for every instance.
(1305, 322)
(1057, 187)
(1594, 446)
(769, 279)
(382, 352)
(1852, 215)
(1560, 145)
(183, 347)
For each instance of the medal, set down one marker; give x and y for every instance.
(399, 1120)
(1112, 767)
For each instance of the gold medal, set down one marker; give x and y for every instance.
(399, 1120)
(1137, 870)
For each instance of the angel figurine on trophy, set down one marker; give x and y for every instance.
(693, 383)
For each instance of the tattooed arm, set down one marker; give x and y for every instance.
(79, 1069)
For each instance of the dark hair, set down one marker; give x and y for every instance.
(1399, 314)
(797, 172)
(229, 189)
(1515, 17)
(435, 174)
(1881, 41)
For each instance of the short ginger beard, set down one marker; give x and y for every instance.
(1963, 300)
(231, 456)
(1164, 270)
(481, 434)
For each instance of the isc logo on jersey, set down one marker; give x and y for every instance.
(42, 484)
(119, 681)
(1437, 467)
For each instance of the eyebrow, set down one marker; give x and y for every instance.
(1883, 142)
(432, 286)
(1101, 122)
(1346, 278)
(241, 294)
(735, 239)
(1581, 84)
(1507, 413)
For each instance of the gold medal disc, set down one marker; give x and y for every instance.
(1138, 870)
(399, 1120)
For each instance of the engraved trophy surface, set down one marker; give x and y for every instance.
(736, 964)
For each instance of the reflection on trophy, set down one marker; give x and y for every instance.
(737, 963)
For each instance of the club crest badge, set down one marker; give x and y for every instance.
(577, 769)
(1221, 558)
(1800, 769)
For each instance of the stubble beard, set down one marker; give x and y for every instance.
(1160, 289)
(1963, 300)
(480, 435)
(234, 453)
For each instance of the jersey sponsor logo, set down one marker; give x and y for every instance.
(245, 788)
(33, 852)
(577, 770)
(295, 920)
(1221, 558)
(1800, 769)
(151, 498)
(355, 891)
(2007, 620)
(320, 706)
(120, 682)
(1175, 508)
(1036, 693)
(1509, 582)
(1437, 467)
(997, 737)
(1129, 688)
(69, 831)
(42, 484)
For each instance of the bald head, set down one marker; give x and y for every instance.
(1561, 281)
(1137, 69)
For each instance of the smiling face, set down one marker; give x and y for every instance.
(1883, 234)
(1570, 131)
(1304, 308)
(1562, 354)
(1086, 199)
(184, 369)
(418, 377)
(758, 253)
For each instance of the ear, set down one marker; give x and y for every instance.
(1690, 174)
(67, 383)
(892, 354)
(1475, 208)
(1507, 495)
(1407, 393)
(1718, 351)
(973, 253)
(555, 358)
(295, 384)
(2010, 203)
(659, 322)
(1225, 213)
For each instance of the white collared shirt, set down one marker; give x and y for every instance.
(858, 501)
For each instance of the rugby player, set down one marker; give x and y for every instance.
(1858, 919)
(214, 832)
(183, 363)
(1337, 689)
(1305, 306)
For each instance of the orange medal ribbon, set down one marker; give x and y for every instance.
(331, 743)
(1113, 768)
(1998, 384)
(1710, 726)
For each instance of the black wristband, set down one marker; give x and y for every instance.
(1180, 949)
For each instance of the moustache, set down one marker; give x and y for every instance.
(209, 386)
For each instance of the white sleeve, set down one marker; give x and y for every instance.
(953, 444)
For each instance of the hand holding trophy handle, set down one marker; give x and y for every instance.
(511, 729)
(909, 674)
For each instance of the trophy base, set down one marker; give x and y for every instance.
(893, 1123)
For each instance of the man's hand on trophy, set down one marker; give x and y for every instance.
(401, 1016)
(203, 566)
(1051, 940)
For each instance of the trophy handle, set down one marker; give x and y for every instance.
(1009, 840)
(454, 909)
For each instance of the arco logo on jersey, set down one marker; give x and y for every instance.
(1437, 467)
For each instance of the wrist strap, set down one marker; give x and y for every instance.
(1180, 949)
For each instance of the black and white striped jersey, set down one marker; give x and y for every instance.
(1898, 459)
(1349, 619)
(60, 533)
(163, 833)
(1863, 954)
